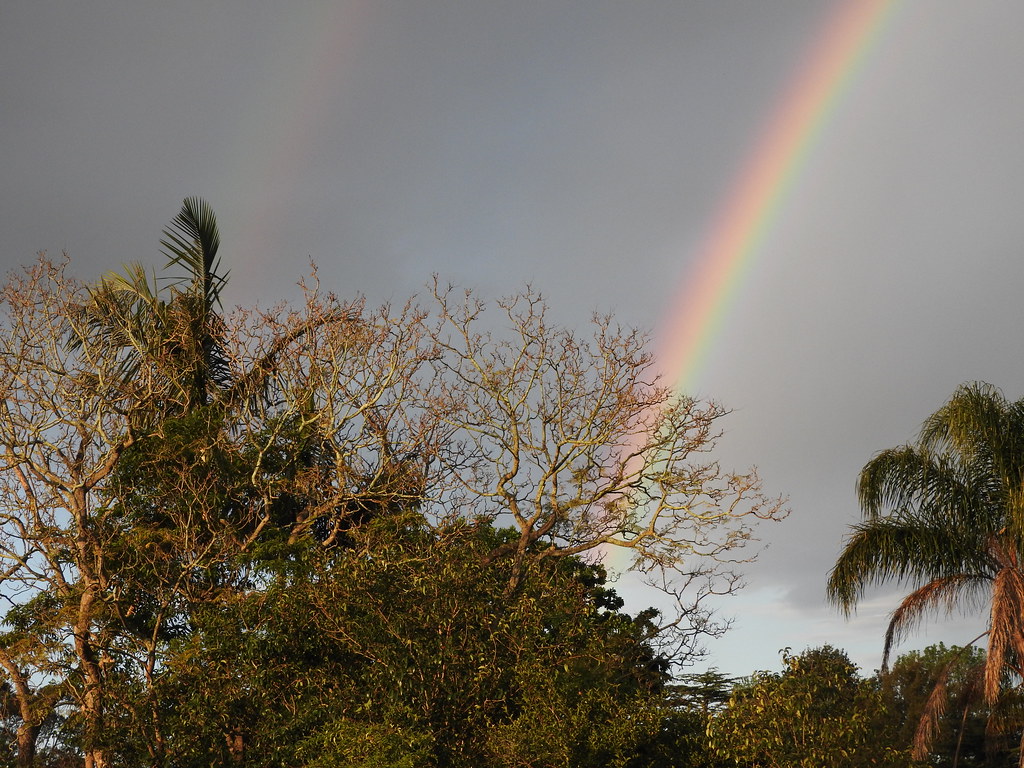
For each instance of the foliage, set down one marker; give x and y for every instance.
(326, 530)
(946, 514)
(406, 645)
(690, 702)
(705, 692)
(817, 711)
(960, 736)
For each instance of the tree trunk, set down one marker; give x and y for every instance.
(28, 711)
(92, 696)
(27, 734)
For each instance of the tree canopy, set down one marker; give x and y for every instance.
(817, 711)
(328, 534)
(963, 731)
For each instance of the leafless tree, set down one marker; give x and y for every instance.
(574, 441)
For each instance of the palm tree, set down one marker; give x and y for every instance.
(946, 515)
(174, 339)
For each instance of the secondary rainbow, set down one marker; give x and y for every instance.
(755, 200)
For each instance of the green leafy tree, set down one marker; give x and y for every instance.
(817, 711)
(959, 736)
(705, 692)
(946, 514)
(403, 648)
(690, 702)
(231, 458)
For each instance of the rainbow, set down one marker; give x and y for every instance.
(755, 200)
(283, 119)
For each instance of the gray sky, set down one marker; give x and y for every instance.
(585, 146)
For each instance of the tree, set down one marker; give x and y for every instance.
(129, 482)
(248, 435)
(705, 692)
(575, 443)
(691, 701)
(946, 514)
(164, 463)
(62, 432)
(403, 649)
(176, 338)
(816, 712)
(959, 737)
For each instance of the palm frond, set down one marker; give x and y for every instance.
(931, 716)
(973, 416)
(192, 241)
(937, 595)
(887, 549)
(984, 430)
(911, 480)
(133, 285)
(123, 314)
(1006, 626)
